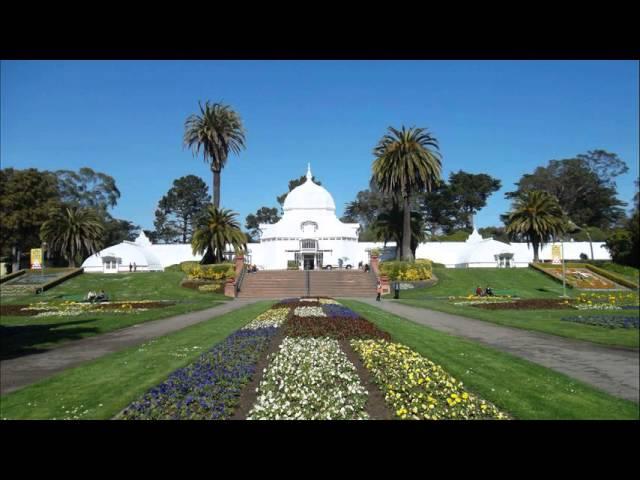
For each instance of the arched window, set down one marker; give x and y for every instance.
(308, 226)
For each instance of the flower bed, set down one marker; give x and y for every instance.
(273, 317)
(310, 379)
(527, 304)
(609, 321)
(337, 310)
(71, 309)
(309, 312)
(209, 388)
(417, 388)
(332, 326)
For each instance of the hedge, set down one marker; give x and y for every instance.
(404, 270)
(612, 276)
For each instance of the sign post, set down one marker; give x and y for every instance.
(36, 258)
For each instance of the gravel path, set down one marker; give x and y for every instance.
(614, 370)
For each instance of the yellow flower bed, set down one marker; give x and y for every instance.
(416, 388)
(407, 271)
(217, 272)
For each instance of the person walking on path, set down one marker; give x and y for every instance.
(379, 290)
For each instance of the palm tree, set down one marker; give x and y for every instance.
(537, 218)
(407, 162)
(73, 232)
(218, 229)
(388, 227)
(216, 131)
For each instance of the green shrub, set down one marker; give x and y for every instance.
(219, 271)
(409, 271)
(212, 287)
(292, 265)
(173, 268)
(187, 266)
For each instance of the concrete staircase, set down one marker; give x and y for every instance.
(291, 283)
(273, 284)
(342, 283)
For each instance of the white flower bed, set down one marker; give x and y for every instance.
(271, 318)
(309, 312)
(310, 379)
(327, 301)
(597, 306)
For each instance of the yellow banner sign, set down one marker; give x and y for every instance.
(36, 258)
(555, 254)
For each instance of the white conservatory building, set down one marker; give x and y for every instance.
(310, 234)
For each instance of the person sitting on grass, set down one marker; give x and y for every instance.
(91, 296)
(488, 291)
(102, 297)
(479, 292)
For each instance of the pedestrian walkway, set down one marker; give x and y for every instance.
(616, 371)
(20, 372)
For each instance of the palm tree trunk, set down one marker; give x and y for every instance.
(406, 230)
(216, 188)
(535, 251)
(16, 260)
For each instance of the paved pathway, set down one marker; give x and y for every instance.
(22, 371)
(613, 370)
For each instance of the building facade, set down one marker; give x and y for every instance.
(310, 236)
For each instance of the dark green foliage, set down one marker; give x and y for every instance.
(87, 189)
(263, 215)
(26, 200)
(218, 230)
(178, 211)
(74, 233)
(497, 233)
(407, 162)
(536, 217)
(583, 185)
(215, 132)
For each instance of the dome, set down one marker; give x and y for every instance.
(309, 196)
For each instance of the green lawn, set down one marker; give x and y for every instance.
(522, 282)
(522, 388)
(630, 273)
(102, 388)
(24, 335)
(525, 283)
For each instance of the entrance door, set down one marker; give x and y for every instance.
(308, 259)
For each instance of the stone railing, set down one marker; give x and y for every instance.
(383, 279)
(233, 285)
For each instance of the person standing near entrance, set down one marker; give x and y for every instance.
(135, 267)
(379, 291)
(130, 267)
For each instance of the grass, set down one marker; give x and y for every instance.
(102, 388)
(525, 283)
(630, 273)
(522, 282)
(524, 389)
(25, 335)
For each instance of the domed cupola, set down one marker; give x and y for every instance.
(309, 196)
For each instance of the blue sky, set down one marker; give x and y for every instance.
(126, 118)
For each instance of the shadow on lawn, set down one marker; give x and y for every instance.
(19, 340)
